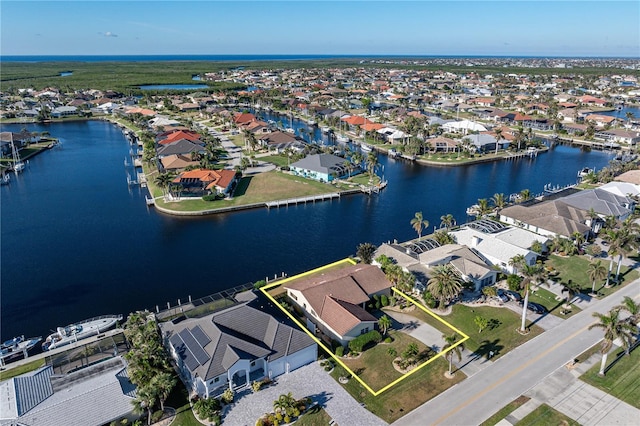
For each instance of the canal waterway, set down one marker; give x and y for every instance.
(77, 241)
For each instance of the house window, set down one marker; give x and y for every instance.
(304, 305)
(293, 296)
(253, 363)
(216, 380)
(364, 330)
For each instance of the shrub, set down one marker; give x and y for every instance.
(388, 340)
(211, 197)
(384, 300)
(429, 300)
(513, 281)
(361, 341)
(393, 352)
(392, 300)
(287, 419)
(259, 284)
(227, 396)
(255, 386)
(156, 416)
(340, 351)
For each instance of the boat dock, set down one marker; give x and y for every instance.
(299, 200)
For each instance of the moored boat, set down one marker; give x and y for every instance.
(365, 148)
(17, 346)
(325, 129)
(340, 138)
(82, 330)
(584, 172)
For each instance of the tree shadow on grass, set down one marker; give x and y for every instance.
(489, 349)
(242, 186)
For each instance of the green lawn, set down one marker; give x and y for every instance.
(545, 416)
(260, 188)
(11, 372)
(278, 160)
(548, 300)
(407, 395)
(375, 365)
(363, 179)
(178, 400)
(575, 268)
(505, 411)
(314, 417)
(622, 380)
(500, 336)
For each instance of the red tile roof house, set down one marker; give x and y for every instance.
(334, 302)
(202, 180)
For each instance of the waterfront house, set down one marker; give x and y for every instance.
(495, 243)
(548, 218)
(600, 120)
(182, 147)
(63, 111)
(173, 135)
(92, 396)
(603, 202)
(619, 136)
(177, 162)
(334, 302)
(442, 144)
(320, 167)
(279, 141)
(200, 181)
(232, 348)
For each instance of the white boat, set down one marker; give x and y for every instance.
(290, 130)
(584, 172)
(5, 179)
(365, 148)
(392, 153)
(474, 210)
(340, 138)
(17, 346)
(312, 122)
(82, 330)
(17, 165)
(325, 129)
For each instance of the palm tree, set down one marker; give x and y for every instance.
(384, 323)
(418, 223)
(483, 207)
(614, 329)
(445, 283)
(285, 403)
(163, 180)
(572, 289)
(164, 383)
(633, 308)
(456, 350)
(498, 133)
(499, 201)
(371, 163)
(365, 252)
(530, 273)
(629, 115)
(518, 261)
(596, 271)
(447, 221)
(525, 195)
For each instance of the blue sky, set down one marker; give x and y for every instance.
(539, 28)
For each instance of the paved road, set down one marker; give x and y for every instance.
(484, 393)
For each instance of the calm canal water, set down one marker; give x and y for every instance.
(78, 242)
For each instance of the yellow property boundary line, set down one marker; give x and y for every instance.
(329, 351)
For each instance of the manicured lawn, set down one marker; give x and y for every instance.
(500, 336)
(16, 371)
(260, 188)
(505, 411)
(548, 300)
(178, 400)
(405, 396)
(278, 160)
(375, 365)
(545, 416)
(575, 268)
(363, 179)
(622, 380)
(314, 417)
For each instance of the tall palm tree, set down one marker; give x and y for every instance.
(614, 329)
(371, 163)
(629, 115)
(163, 180)
(525, 195)
(445, 283)
(517, 262)
(419, 223)
(447, 221)
(498, 133)
(596, 271)
(530, 274)
(164, 383)
(499, 201)
(385, 324)
(572, 289)
(629, 305)
(483, 207)
(457, 350)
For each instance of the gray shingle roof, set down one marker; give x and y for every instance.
(323, 163)
(241, 332)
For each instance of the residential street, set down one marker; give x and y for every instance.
(485, 392)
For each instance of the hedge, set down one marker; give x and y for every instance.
(361, 341)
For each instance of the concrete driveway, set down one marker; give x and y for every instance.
(417, 329)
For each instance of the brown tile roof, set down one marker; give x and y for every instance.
(555, 216)
(342, 316)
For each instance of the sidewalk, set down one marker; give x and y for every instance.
(565, 392)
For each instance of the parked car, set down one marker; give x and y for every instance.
(513, 295)
(502, 295)
(536, 308)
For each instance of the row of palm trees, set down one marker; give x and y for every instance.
(148, 363)
(616, 329)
